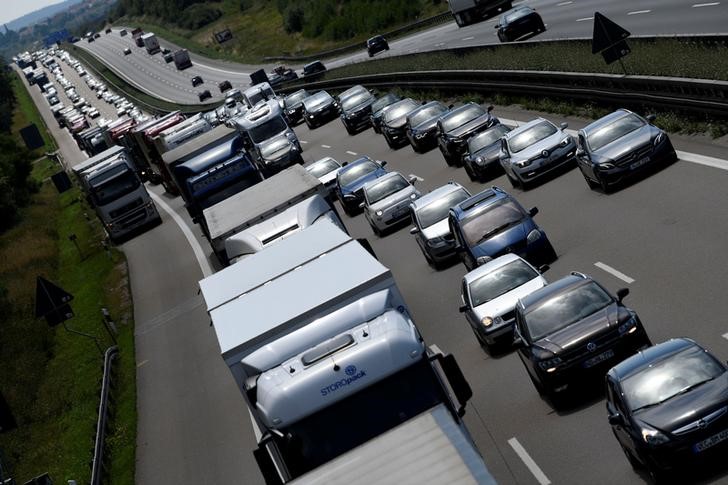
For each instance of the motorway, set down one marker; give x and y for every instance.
(563, 19)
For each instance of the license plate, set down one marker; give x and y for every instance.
(639, 163)
(712, 441)
(599, 358)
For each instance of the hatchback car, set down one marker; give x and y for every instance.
(313, 69)
(668, 407)
(570, 329)
(620, 145)
(482, 159)
(519, 23)
(430, 219)
(325, 170)
(455, 127)
(319, 109)
(293, 106)
(224, 86)
(387, 201)
(493, 223)
(394, 122)
(534, 150)
(351, 179)
(356, 110)
(489, 294)
(127, 51)
(203, 95)
(168, 58)
(196, 81)
(379, 107)
(377, 44)
(421, 126)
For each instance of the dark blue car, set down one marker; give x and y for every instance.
(351, 179)
(493, 223)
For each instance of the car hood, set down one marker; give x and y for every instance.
(581, 332)
(360, 106)
(358, 183)
(275, 146)
(627, 143)
(548, 144)
(438, 229)
(488, 153)
(393, 199)
(312, 107)
(507, 302)
(474, 124)
(498, 243)
(427, 125)
(687, 408)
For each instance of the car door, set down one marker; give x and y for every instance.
(469, 313)
(615, 404)
(583, 159)
(524, 350)
(504, 157)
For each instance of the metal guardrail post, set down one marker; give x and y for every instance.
(98, 458)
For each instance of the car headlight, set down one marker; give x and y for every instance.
(523, 163)
(533, 236)
(651, 436)
(479, 160)
(413, 196)
(630, 326)
(659, 139)
(379, 213)
(490, 321)
(550, 365)
(565, 141)
(606, 165)
(482, 260)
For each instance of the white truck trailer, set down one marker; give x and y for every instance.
(466, 12)
(151, 44)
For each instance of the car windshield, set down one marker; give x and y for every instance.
(322, 167)
(268, 129)
(316, 100)
(516, 14)
(669, 377)
(356, 172)
(500, 281)
(274, 145)
(565, 309)
(295, 98)
(384, 101)
(380, 190)
(487, 138)
(531, 135)
(614, 131)
(494, 219)
(462, 117)
(118, 182)
(400, 109)
(313, 67)
(437, 210)
(424, 114)
(356, 99)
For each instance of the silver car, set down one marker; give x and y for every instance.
(489, 295)
(535, 149)
(387, 200)
(429, 215)
(325, 170)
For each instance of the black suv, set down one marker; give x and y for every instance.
(356, 110)
(457, 126)
(224, 86)
(573, 328)
(203, 95)
(379, 107)
(313, 69)
(196, 81)
(377, 44)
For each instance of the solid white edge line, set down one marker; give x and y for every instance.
(584, 19)
(614, 272)
(711, 4)
(637, 12)
(725, 336)
(528, 461)
(196, 248)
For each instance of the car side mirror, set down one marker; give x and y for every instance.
(564, 126)
(463, 308)
(345, 164)
(412, 179)
(383, 163)
(414, 230)
(615, 419)
(518, 342)
(622, 294)
(490, 108)
(651, 118)
(543, 268)
(423, 103)
(533, 211)
(497, 26)
(580, 152)
(361, 205)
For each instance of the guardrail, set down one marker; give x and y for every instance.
(97, 465)
(429, 21)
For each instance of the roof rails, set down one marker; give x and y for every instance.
(579, 274)
(481, 197)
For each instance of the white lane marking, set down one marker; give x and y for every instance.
(468, 38)
(725, 336)
(703, 160)
(564, 3)
(528, 461)
(711, 4)
(196, 248)
(639, 12)
(325, 146)
(584, 19)
(614, 272)
(303, 142)
(351, 153)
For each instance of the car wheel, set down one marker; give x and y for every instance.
(537, 384)
(604, 185)
(589, 182)
(376, 230)
(450, 160)
(480, 339)
(473, 177)
(459, 20)
(349, 130)
(549, 253)
(633, 461)
(657, 475)
(514, 181)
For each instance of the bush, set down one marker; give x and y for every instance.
(293, 19)
(16, 185)
(198, 15)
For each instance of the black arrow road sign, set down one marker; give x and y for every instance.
(51, 302)
(606, 33)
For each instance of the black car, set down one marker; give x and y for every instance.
(203, 95)
(168, 58)
(379, 107)
(394, 122)
(108, 31)
(454, 129)
(224, 86)
(574, 328)
(668, 407)
(422, 126)
(293, 106)
(483, 156)
(313, 69)
(519, 23)
(166, 51)
(127, 51)
(196, 81)
(356, 110)
(377, 44)
(97, 35)
(319, 108)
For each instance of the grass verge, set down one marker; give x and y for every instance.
(26, 113)
(51, 377)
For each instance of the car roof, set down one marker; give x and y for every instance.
(524, 127)
(559, 286)
(384, 177)
(479, 201)
(436, 194)
(605, 120)
(646, 358)
(458, 109)
(491, 266)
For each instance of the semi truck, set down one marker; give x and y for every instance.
(466, 12)
(151, 44)
(116, 193)
(181, 59)
(140, 142)
(256, 204)
(340, 385)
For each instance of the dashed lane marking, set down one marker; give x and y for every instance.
(325, 146)
(561, 4)
(711, 4)
(584, 19)
(639, 12)
(614, 272)
(351, 153)
(528, 461)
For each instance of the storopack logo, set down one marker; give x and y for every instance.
(353, 375)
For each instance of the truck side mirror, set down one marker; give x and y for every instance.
(622, 294)
(456, 380)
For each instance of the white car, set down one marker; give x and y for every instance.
(387, 200)
(489, 294)
(93, 113)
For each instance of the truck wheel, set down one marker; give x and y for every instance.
(459, 20)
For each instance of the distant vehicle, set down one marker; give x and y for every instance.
(293, 106)
(430, 219)
(667, 407)
(534, 150)
(467, 12)
(351, 179)
(394, 122)
(97, 35)
(151, 43)
(493, 223)
(281, 74)
(166, 50)
(379, 107)
(127, 51)
(168, 58)
(319, 108)
(489, 295)
(90, 39)
(455, 127)
(203, 95)
(313, 69)
(107, 31)
(519, 23)
(421, 126)
(136, 36)
(224, 86)
(182, 59)
(377, 44)
(482, 159)
(196, 81)
(571, 330)
(387, 201)
(325, 170)
(122, 32)
(620, 145)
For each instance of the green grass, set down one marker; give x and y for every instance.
(26, 113)
(50, 377)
